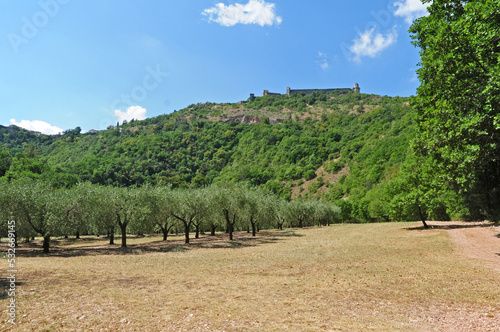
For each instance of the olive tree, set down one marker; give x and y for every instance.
(280, 211)
(188, 204)
(100, 209)
(229, 202)
(160, 204)
(129, 208)
(258, 208)
(33, 205)
(301, 211)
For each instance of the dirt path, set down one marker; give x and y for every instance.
(480, 240)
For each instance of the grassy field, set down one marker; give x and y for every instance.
(380, 277)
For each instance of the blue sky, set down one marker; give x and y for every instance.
(69, 63)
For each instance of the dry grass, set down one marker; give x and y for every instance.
(381, 277)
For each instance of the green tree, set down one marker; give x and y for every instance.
(229, 203)
(258, 210)
(161, 206)
(129, 207)
(458, 101)
(29, 166)
(323, 213)
(34, 206)
(301, 211)
(279, 211)
(72, 203)
(5, 161)
(188, 204)
(418, 193)
(100, 209)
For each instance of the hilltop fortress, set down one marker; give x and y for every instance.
(290, 92)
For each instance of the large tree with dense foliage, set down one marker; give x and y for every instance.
(418, 193)
(458, 101)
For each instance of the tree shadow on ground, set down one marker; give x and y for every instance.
(5, 287)
(72, 240)
(453, 225)
(219, 241)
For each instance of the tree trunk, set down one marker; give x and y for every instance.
(77, 234)
(123, 228)
(212, 230)
(422, 217)
(46, 244)
(279, 224)
(186, 232)
(124, 235)
(229, 224)
(165, 233)
(187, 225)
(197, 234)
(254, 226)
(111, 233)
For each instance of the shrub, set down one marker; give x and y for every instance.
(310, 174)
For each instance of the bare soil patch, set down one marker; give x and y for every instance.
(478, 240)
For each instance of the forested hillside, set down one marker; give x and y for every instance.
(343, 148)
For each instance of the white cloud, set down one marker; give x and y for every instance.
(37, 125)
(411, 9)
(254, 12)
(133, 112)
(371, 44)
(323, 61)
